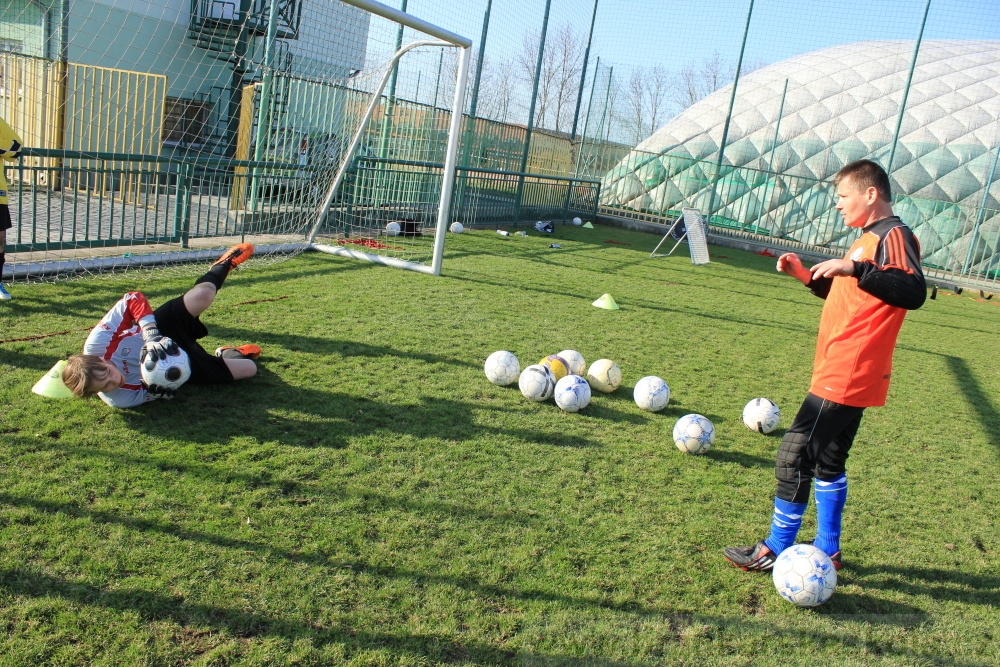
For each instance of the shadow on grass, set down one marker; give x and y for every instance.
(975, 396)
(154, 606)
(739, 458)
(331, 419)
(937, 583)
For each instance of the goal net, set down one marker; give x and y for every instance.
(159, 133)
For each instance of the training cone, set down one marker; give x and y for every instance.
(587, 225)
(51, 384)
(606, 302)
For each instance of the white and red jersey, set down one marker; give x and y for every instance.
(118, 338)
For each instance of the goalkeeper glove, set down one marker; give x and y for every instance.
(155, 347)
(157, 391)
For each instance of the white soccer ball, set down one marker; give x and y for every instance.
(502, 368)
(457, 227)
(577, 365)
(694, 434)
(651, 393)
(537, 382)
(604, 375)
(761, 415)
(393, 229)
(577, 221)
(804, 575)
(169, 373)
(572, 393)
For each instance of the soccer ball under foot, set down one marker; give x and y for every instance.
(804, 575)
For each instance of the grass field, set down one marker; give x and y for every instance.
(370, 499)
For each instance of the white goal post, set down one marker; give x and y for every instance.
(444, 38)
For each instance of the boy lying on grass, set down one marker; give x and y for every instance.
(132, 333)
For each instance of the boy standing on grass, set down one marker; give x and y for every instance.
(867, 295)
(131, 331)
(10, 150)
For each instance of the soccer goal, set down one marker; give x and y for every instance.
(395, 209)
(292, 124)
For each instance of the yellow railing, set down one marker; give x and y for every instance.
(82, 108)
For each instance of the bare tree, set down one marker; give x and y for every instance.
(644, 103)
(496, 90)
(568, 53)
(700, 80)
(558, 80)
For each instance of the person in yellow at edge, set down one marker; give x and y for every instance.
(10, 149)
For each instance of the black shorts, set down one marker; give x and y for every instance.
(174, 321)
(5, 222)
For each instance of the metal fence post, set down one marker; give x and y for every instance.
(729, 116)
(906, 89)
(182, 204)
(531, 117)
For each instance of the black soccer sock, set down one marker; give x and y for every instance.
(2, 259)
(215, 275)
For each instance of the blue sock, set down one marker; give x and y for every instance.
(831, 494)
(785, 524)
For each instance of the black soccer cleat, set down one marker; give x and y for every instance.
(758, 558)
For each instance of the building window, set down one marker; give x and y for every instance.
(185, 121)
(11, 45)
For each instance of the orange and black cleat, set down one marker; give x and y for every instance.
(248, 351)
(236, 255)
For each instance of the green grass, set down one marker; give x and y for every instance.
(370, 499)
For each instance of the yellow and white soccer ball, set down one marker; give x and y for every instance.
(604, 375)
(556, 364)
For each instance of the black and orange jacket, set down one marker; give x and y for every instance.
(863, 314)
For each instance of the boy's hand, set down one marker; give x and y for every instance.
(791, 264)
(155, 347)
(832, 268)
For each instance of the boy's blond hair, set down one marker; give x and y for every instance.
(83, 373)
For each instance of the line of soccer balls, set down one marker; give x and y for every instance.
(566, 378)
